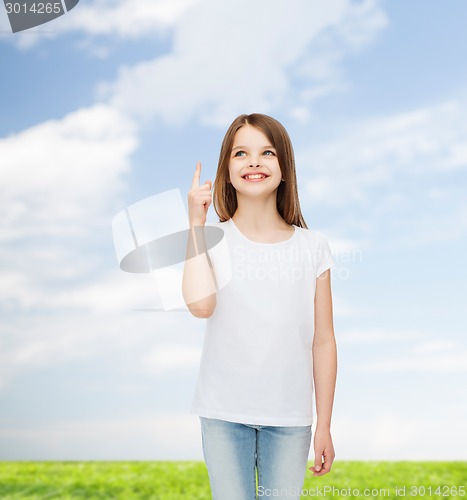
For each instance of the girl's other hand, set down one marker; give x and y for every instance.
(199, 199)
(324, 449)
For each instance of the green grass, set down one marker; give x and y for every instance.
(189, 480)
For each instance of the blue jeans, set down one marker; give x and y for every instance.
(241, 456)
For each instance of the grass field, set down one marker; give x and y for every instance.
(189, 480)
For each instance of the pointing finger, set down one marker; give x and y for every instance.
(195, 182)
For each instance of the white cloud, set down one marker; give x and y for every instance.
(59, 185)
(377, 335)
(125, 19)
(434, 346)
(32, 342)
(243, 57)
(346, 250)
(300, 114)
(432, 358)
(380, 152)
(112, 292)
(15, 288)
(421, 354)
(171, 357)
(430, 355)
(385, 169)
(343, 308)
(56, 177)
(159, 436)
(454, 362)
(395, 436)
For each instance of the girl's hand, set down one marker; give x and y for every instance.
(199, 199)
(323, 449)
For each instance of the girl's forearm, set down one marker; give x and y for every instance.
(324, 374)
(199, 283)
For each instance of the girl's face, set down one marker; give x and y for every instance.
(252, 154)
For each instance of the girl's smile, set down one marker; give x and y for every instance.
(255, 177)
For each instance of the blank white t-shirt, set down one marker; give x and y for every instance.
(256, 364)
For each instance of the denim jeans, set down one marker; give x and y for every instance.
(245, 460)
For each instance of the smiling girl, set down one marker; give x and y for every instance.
(269, 345)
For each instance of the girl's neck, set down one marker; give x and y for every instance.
(258, 218)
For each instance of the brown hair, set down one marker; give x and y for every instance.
(225, 196)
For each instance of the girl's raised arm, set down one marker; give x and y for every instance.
(199, 284)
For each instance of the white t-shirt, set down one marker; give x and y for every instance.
(256, 364)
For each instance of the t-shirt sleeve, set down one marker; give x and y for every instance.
(324, 258)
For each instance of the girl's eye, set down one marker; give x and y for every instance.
(238, 153)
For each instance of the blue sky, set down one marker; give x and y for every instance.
(117, 101)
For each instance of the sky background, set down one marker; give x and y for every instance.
(117, 100)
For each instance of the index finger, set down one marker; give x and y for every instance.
(195, 181)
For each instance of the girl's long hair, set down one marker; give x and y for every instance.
(224, 194)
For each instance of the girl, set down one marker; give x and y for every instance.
(269, 341)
